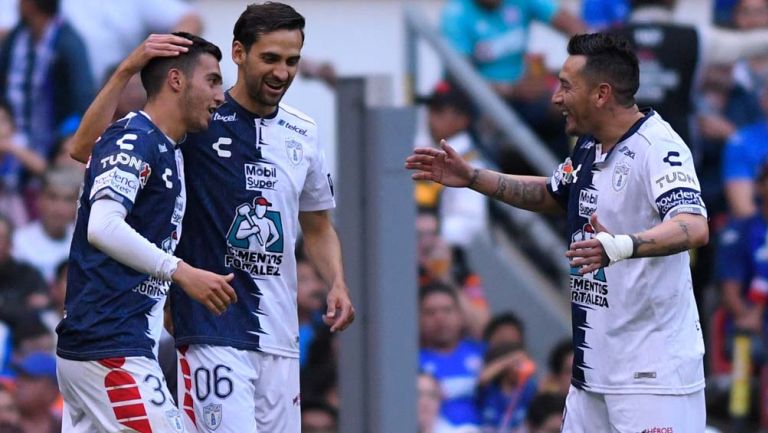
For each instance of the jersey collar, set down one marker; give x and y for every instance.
(600, 158)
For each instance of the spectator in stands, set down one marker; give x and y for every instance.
(603, 14)
(453, 360)
(545, 414)
(111, 30)
(53, 311)
(506, 387)
(45, 243)
(318, 417)
(428, 402)
(31, 335)
(9, 412)
(19, 282)
(15, 159)
(493, 34)
(310, 301)
(504, 328)
(560, 364)
(44, 73)
(36, 392)
(463, 213)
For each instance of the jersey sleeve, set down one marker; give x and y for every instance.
(733, 253)
(453, 27)
(317, 193)
(672, 182)
(559, 184)
(120, 166)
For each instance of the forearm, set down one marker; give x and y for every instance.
(324, 251)
(99, 115)
(525, 192)
(680, 233)
(31, 160)
(727, 46)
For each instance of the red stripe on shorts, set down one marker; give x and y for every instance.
(118, 378)
(112, 362)
(140, 425)
(124, 394)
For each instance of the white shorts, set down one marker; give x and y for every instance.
(227, 390)
(116, 395)
(588, 412)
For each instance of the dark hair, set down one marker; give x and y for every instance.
(48, 7)
(259, 19)
(542, 407)
(506, 318)
(435, 286)
(610, 59)
(558, 353)
(154, 73)
(642, 3)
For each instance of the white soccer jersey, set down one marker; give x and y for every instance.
(635, 323)
(249, 179)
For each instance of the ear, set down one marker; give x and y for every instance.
(176, 80)
(602, 94)
(239, 53)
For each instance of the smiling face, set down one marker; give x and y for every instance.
(202, 94)
(574, 97)
(268, 67)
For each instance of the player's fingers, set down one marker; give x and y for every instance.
(431, 151)
(422, 175)
(345, 318)
(424, 159)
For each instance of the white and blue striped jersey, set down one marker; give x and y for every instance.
(111, 309)
(635, 323)
(249, 177)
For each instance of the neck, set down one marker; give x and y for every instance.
(37, 25)
(167, 117)
(239, 93)
(617, 123)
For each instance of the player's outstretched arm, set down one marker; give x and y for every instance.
(447, 167)
(102, 109)
(210, 289)
(324, 251)
(679, 233)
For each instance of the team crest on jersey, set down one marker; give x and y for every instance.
(212, 415)
(174, 418)
(295, 151)
(255, 239)
(621, 175)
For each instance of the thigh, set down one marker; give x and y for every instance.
(116, 394)
(278, 403)
(657, 413)
(585, 412)
(216, 389)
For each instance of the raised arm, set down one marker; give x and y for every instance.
(100, 112)
(447, 167)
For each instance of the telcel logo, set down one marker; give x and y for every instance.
(294, 128)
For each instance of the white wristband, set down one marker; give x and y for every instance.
(617, 247)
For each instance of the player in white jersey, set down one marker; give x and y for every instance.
(638, 347)
(259, 177)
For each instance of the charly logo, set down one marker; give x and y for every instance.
(255, 239)
(295, 151)
(212, 415)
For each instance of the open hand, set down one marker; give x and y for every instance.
(162, 45)
(442, 165)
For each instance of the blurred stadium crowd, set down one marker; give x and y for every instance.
(474, 374)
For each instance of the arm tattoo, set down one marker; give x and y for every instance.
(674, 248)
(684, 227)
(473, 179)
(533, 194)
(637, 241)
(499, 193)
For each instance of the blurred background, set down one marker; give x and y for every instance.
(463, 309)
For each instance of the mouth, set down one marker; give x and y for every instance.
(211, 110)
(277, 87)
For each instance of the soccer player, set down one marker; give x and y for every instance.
(638, 347)
(260, 159)
(121, 261)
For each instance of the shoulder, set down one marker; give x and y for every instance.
(130, 131)
(288, 112)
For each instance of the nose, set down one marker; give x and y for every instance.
(218, 95)
(557, 97)
(281, 72)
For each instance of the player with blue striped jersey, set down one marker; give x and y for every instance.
(638, 347)
(121, 261)
(259, 177)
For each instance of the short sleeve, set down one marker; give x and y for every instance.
(672, 182)
(543, 10)
(120, 166)
(736, 162)
(453, 27)
(317, 193)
